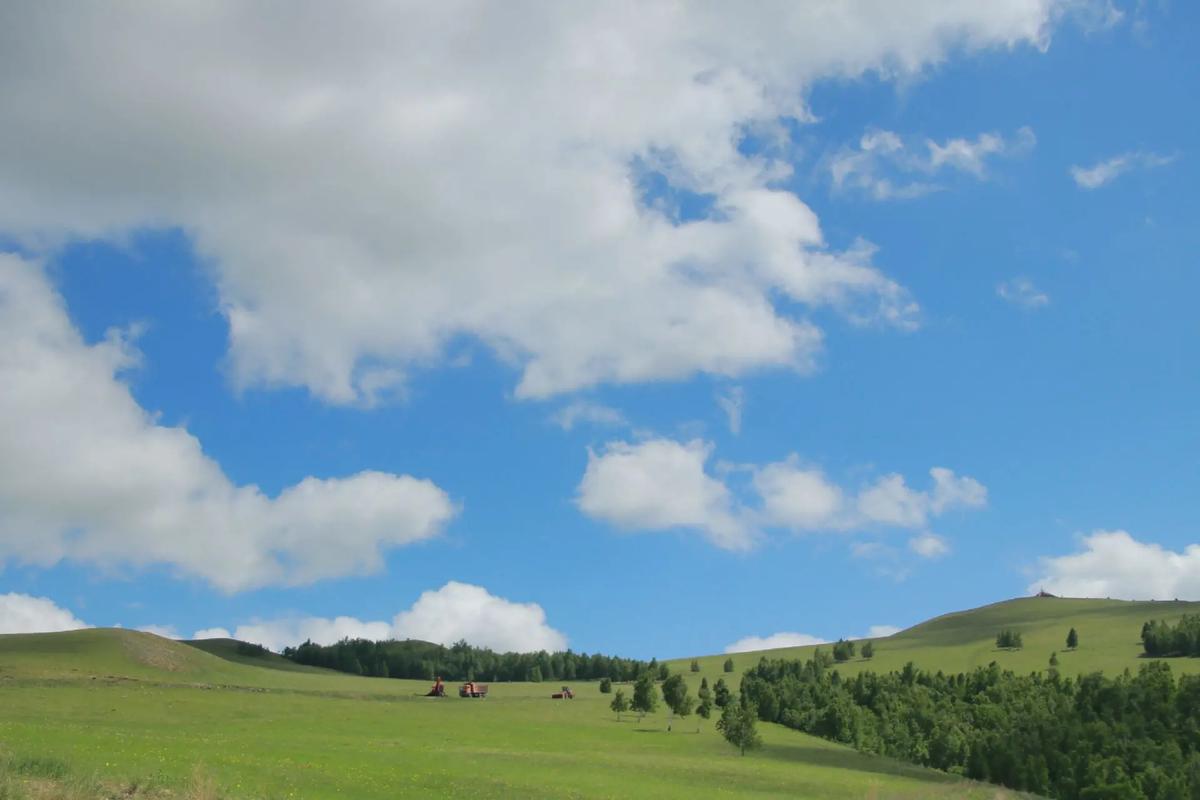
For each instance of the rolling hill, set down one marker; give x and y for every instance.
(128, 709)
(1109, 639)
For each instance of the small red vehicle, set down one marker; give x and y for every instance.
(473, 689)
(565, 694)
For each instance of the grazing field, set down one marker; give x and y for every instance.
(1109, 640)
(111, 712)
(118, 713)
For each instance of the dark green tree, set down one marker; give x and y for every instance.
(868, 650)
(695, 665)
(1072, 639)
(1008, 640)
(619, 704)
(605, 685)
(738, 724)
(728, 666)
(721, 694)
(1054, 659)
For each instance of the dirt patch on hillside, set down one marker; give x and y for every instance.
(156, 652)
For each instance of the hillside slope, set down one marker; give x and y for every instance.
(117, 653)
(1109, 639)
(130, 707)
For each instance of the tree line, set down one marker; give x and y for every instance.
(1163, 639)
(416, 659)
(1129, 737)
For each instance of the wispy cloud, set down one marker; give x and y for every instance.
(1106, 171)
(731, 402)
(1020, 291)
(928, 545)
(885, 166)
(587, 412)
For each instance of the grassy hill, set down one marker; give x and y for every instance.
(1109, 639)
(237, 652)
(134, 713)
(121, 713)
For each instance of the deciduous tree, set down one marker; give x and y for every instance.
(738, 724)
(619, 704)
(645, 694)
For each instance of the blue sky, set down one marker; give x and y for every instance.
(640, 335)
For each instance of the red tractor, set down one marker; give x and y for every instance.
(565, 694)
(473, 689)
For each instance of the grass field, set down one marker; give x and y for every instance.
(89, 712)
(1109, 639)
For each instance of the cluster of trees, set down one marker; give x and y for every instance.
(252, 650)
(1130, 737)
(1164, 639)
(462, 662)
(1008, 640)
(843, 650)
(737, 723)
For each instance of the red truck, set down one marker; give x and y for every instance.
(473, 689)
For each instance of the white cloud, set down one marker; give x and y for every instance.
(165, 631)
(890, 501)
(661, 484)
(588, 412)
(462, 611)
(885, 167)
(86, 474)
(212, 633)
(731, 402)
(1114, 564)
(369, 183)
(1021, 292)
(751, 644)
(22, 613)
(798, 497)
(882, 631)
(455, 611)
(928, 545)
(952, 491)
(1099, 174)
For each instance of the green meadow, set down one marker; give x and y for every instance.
(1109, 640)
(114, 713)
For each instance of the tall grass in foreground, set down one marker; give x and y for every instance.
(41, 778)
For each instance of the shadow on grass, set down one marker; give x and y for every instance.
(852, 760)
